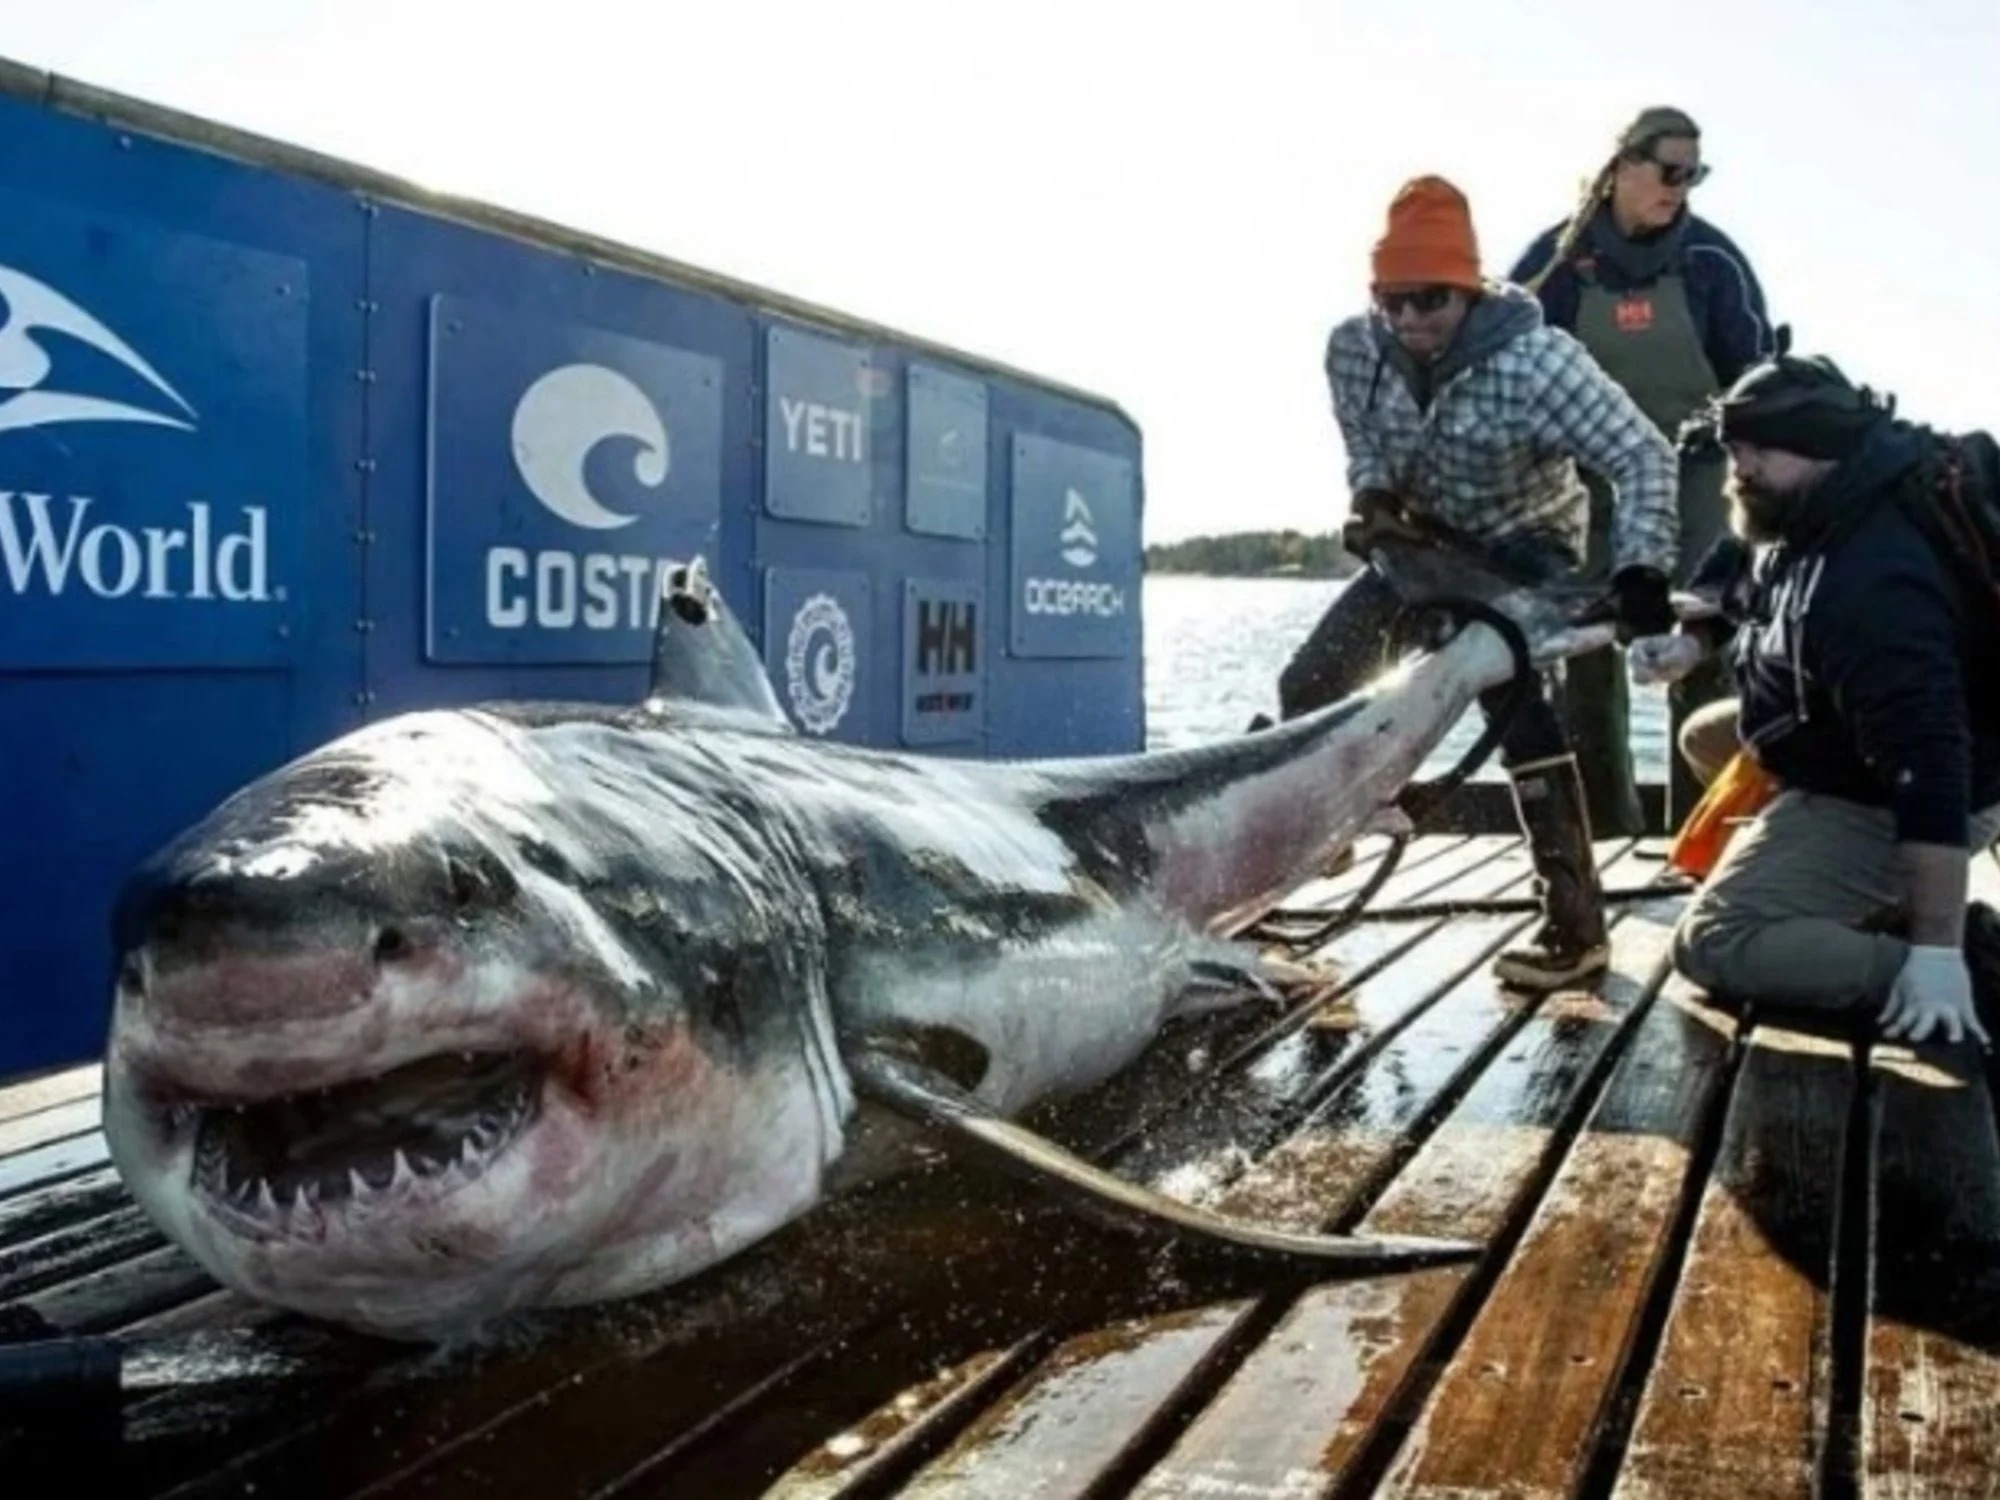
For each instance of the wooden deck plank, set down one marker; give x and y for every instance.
(47, 1090)
(1292, 1419)
(1442, 856)
(114, 1295)
(1931, 1412)
(1516, 1409)
(43, 1166)
(1056, 1433)
(74, 1200)
(868, 1445)
(1423, 865)
(1737, 1402)
(54, 1123)
(75, 1251)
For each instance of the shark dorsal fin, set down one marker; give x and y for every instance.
(701, 654)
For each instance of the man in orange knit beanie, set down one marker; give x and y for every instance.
(1459, 406)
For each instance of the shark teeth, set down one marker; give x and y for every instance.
(286, 1164)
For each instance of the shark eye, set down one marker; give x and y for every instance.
(472, 884)
(462, 883)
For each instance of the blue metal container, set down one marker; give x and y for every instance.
(286, 446)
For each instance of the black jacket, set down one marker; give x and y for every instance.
(1866, 671)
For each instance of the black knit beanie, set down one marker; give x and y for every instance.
(1802, 406)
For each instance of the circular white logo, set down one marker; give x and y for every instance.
(566, 414)
(819, 663)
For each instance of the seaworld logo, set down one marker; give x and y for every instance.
(35, 308)
(49, 543)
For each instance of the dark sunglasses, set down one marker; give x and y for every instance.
(1426, 299)
(1674, 173)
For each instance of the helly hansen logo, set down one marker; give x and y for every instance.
(1635, 314)
(947, 637)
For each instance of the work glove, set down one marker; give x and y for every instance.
(1375, 513)
(1933, 990)
(1640, 603)
(1371, 504)
(1371, 515)
(1655, 659)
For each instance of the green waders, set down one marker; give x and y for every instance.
(1647, 342)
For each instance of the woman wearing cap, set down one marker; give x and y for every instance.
(1670, 307)
(1459, 406)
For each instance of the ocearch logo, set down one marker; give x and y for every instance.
(49, 542)
(558, 422)
(1072, 596)
(1079, 536)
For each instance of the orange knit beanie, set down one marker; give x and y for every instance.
(1429, 239)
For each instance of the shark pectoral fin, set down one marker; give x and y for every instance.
(885, 1072)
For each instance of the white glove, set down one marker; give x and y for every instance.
(1934, 989)
(1662, 658)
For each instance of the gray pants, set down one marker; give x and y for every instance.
(1777, 921)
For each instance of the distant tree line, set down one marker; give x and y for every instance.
(1255, 554)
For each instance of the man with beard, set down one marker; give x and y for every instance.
(1462, 411)
(1866, 655)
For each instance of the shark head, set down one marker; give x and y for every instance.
(432, 1025)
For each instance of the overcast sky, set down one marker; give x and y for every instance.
(1170, 208)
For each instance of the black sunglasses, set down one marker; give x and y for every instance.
(1426, 299)
(1675, 173)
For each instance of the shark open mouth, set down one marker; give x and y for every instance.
(438, 1123)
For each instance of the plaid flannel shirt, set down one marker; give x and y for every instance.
(1496, 454)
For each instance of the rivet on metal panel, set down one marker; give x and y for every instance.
(366, 377)
(284, 289)
(284, 632)
(364, 626)
(365, 465)
(124, 143)
(363, 698)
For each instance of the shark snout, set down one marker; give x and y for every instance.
(223, 952)
(247, 989)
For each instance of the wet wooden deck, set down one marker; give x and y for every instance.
(1726, 1260)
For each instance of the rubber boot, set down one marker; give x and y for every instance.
(1571, 944)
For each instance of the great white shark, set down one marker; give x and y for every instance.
(480, 1010)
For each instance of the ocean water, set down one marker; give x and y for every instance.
(1215, 646)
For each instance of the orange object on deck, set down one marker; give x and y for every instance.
(1739, 790)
